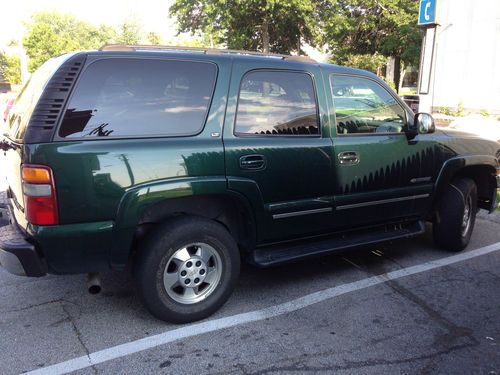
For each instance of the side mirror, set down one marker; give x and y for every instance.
(424, 123)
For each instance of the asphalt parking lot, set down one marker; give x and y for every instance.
(429, 313)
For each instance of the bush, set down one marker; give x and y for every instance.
(445, 111)
(484, 112)
(459, 112)
(10, 68)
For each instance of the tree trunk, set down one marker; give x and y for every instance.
(397, 72)
(265, 36)
(298, 44)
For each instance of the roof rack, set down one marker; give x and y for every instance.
(207, 51)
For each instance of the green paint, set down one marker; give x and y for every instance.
(106, 188)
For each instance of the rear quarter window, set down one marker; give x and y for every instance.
(140, 97)
(29, 95)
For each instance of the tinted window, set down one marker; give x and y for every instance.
(28, 97)
(364, 106)
(120, 98)
(277, 103)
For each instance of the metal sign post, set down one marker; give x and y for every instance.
(427, 20)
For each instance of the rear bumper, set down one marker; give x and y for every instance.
(17, 255)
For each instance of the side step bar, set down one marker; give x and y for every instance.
(279, 254)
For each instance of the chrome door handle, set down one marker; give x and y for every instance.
(253, 162)
(348, 157)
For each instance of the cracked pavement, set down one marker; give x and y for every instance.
(446, 320)
(442, 321)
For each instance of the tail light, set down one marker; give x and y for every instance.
(39, 191)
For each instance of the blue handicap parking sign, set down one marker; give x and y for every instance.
(427, 12)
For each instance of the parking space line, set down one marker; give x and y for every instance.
(253, 316)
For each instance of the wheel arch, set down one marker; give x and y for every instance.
(481, 169)
(142, 208)
(229, 209)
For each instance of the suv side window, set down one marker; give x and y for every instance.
(140, 97)
(363, 106)
(277, 103)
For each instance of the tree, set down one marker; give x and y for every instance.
(129, 33)
(191, 42)
(371, 62)
(361, 27)
(50, 34)
(154, 38)
(10, 68)
(266, 25)
(101, 35)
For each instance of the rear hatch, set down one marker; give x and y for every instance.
(30, 121)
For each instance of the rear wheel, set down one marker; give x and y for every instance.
(456, 215)
(187, 269)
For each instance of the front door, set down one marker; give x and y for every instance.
(278, 151)
(378, 171)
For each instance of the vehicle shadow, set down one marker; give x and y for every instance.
(261, 287)
(257, 288)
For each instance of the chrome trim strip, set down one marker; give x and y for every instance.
(383, 201)
(420, 179)
(300, 213)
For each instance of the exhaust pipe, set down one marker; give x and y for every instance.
(94, 283)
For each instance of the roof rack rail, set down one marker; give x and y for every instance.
(207, 51)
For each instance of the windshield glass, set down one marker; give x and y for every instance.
(28, 97)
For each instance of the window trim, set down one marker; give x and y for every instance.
(57, 137)
(318, 116)
(398, 101)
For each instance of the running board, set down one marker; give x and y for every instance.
(278, 254)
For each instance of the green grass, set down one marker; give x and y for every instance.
(498, 200)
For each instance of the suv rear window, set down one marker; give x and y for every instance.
(140, 97)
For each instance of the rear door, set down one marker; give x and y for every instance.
(278, 148)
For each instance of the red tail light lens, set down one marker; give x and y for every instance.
(39, 190)
(41, 211)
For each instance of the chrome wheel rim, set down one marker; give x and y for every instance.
(466, 218)
(192, 273)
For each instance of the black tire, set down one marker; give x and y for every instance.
(156, 253)
(449, 230)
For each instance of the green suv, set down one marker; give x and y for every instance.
(181, 162)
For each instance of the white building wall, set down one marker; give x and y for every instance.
(466, 65)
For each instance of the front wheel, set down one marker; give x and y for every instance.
(187, 269)
(456, 215)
